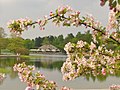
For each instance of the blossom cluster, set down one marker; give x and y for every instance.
(66, 15)
(17, 26)
(90, 21)
(115, 87)
(113, 4)
(84, 58)
(112, 21)
(37, 79)
(65, 88)
(2, 76)
(42, 23)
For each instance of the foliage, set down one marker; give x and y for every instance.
(2, 33)
(2, 40)
(3, 43)
(28, 43)
(15, 43)
(19, 45)
(20, 25)
(22, 51)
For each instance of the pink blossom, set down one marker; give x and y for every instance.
(65, 88)
(92, 46)
(103, 71)
(115, 87)
(111, 20)
(51, 14)
(80, 44)
(102, 3)
(29, 88)
(2, 76)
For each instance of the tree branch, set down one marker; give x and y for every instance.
(111, 37)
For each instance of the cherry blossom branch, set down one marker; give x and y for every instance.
(38, 80)
(102, 33)
(80, 23)
(46, 19)
(87, 25)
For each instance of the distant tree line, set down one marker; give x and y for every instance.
(60, 41)
(19, 45)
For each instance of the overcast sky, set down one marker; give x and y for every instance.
(34, 9)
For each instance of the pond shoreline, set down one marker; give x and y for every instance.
(9, 55)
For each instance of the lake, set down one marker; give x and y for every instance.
(50, 65)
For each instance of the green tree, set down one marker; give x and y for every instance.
(16, 45)
(51, 39)
(38, 42)
(85, 36)
(69, 38)
(61, 43)
(2, 32)
(45, 41)
(28, 43)
(3, 43)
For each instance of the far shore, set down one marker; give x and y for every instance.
(7, 55)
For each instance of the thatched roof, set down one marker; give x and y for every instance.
(48, 47)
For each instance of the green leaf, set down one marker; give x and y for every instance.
(66, 24)
(54, 20)
(114, 4)
(33, 26)
(57, 11)
(119, 2)
(118, 15)
(110, 2)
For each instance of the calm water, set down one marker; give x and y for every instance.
(50, 65)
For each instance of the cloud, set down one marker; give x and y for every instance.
(7, 1)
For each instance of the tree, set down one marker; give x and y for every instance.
(2, 33)
(69, 38)
(3, 43)
(59, 42)
(79, 35)
(51, 39)
(85, 37)
(17, 45)
(38, 42)
(45, 41)
(28, 43)
(22, 51)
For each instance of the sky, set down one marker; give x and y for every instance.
(34, 9)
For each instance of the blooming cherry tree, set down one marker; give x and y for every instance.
(83, 58)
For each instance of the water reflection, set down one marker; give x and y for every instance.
(50, 66)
